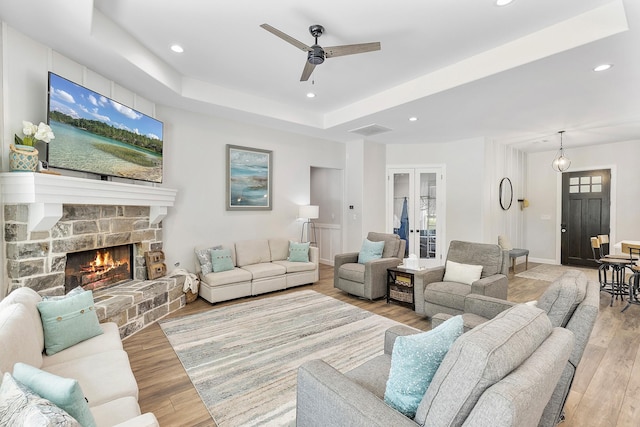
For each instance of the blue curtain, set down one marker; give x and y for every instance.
(404, 221)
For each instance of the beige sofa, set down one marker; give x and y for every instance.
(99, 364)
(260, 266)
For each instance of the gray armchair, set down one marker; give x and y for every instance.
(433, 295)
(368, 280)
(500, 374)
(571, 302)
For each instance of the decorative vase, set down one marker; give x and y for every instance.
(23, 158)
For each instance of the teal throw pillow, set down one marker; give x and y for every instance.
(75, 291)
(221, 260)
(20, 406)
(68, 321)
(65, 393)
(370, 251)
(414, 361)
(298, 252)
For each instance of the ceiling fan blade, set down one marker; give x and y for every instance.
(306, 72)
(350, 49)
(286, 37)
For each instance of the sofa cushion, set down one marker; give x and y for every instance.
(391, 243)
(221, 260)
(237, 275)
(352, 271)
(68, 321)
(461, 273)
(298, 252)
(103, 376)
(448, 294)
(373, 374)
(18, 341)
(479, 359)
(265, 269)
(414, 362)
(279, 249)
(116, 411)
(108, 340)
(370, 251)
(296, 267)
(252, 252)
(20, 406)
(563, 296)
(65, 393)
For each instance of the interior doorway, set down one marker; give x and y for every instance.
(586, 212)
(416, 211)
(326, 192)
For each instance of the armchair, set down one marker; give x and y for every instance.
(433, 295)
(571, 302)
(368, 280)
(500, 374)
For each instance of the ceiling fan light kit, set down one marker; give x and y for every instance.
(317, 54)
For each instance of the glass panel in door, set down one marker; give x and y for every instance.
(401, 190)
(427, 215)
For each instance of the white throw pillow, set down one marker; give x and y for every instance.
(461, 273)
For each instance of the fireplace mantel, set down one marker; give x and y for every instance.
(45, 194)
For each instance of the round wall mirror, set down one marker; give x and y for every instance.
(506, 194)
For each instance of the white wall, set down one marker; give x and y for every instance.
(504, 162)
(465, 171)
(542, 218)
(354, 181)
(374, 186)
(194, 153)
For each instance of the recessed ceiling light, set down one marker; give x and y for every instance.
(311, 95)
(413, 119)
(602, 67)
(503, 2)
(177, 48)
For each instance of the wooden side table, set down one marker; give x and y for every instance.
(400, 286)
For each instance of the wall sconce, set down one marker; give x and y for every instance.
(524, 203)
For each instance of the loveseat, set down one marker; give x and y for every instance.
(571, 301)
(502, 373)
(255, 267)
(99, 364)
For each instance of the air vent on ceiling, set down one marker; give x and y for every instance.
(370, 130)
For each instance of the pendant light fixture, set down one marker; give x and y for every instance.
(561, 162)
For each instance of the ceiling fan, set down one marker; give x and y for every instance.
(317, 54)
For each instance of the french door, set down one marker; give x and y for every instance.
(416, 211)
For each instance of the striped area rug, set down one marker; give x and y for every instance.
(243, 359)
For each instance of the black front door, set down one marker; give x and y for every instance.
(585, 213)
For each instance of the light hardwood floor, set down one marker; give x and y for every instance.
(605, 391)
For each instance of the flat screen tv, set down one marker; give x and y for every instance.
(98, 135)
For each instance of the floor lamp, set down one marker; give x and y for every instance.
(308, 212)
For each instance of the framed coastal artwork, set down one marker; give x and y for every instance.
(249, 179)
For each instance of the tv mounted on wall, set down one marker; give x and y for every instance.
(98, 135)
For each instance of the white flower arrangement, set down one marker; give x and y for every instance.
(33, 133)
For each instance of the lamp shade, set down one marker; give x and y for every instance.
(309, 211)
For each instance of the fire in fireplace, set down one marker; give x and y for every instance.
(99, 268)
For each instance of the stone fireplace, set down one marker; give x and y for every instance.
(50, 221)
